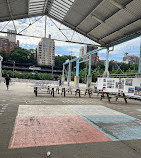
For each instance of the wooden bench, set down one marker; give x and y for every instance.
(88, 91)
(77, 91)
(110, 95)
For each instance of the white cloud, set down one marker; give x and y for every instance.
(38, 29)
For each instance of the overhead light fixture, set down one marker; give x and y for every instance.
(116, 4)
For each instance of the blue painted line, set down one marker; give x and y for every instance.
(100, 129)
(126, 131)
(115, 125)
(138, 109)
(110, 118)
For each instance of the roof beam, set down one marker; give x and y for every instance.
(89, 14)
(45, 5)
(120, 29)
(52, 39)
(125, 39)
(107, 18)
(116, 4)
(9, 7)
(79, 31)
(97, 19)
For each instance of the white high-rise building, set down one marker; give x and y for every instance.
(11, 35)
(83, 51)
(46, 51)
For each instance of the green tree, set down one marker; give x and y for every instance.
(59, 60)
(21, 55)
(4, 55)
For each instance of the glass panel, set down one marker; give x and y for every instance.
(68, 2)
(36, 8)
(63, 3)
(60, 7)
(58, 10)
(59, 4)
(34, 1)
(57, 17)
(57, 14)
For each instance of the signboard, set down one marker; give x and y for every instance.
(130, 86)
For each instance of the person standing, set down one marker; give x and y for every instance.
(7, 80)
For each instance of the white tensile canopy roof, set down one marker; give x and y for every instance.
(107, 22)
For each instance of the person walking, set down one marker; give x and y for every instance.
(7, 80)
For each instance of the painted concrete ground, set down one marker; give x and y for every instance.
(68, 127)
(46, 125)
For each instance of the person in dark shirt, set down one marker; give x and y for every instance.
(7, 80)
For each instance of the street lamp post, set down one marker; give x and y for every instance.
(13, 67)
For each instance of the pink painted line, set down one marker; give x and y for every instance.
(2, 111)
(53, 130)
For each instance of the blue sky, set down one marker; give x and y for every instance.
(62, 48)
(132, 47)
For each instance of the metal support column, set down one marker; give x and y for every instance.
(69, 74)
(90, 63)
(77, 74)
(106, 73)
(89, 77)
(77, 67)
(63, 76)
(1, 59)
(140, 58)
(63, 70)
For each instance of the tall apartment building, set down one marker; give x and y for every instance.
(8, 43)
(83, 51)
(46, 51)
(87, 49)
(132, 59)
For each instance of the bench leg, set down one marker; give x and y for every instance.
(108, 98)
(64, 92)
(79, 93)
(116, 98)
(53, 92)
(125, 100)
(35, 91)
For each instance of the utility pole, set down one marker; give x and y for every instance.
(13, 67)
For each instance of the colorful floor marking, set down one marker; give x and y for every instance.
(138, 109)
(44, 125)
(81, 101)
(119, 125)
(3, 108)
(101, 114)
(53, 130)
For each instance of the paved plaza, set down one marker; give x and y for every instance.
(68, 127)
